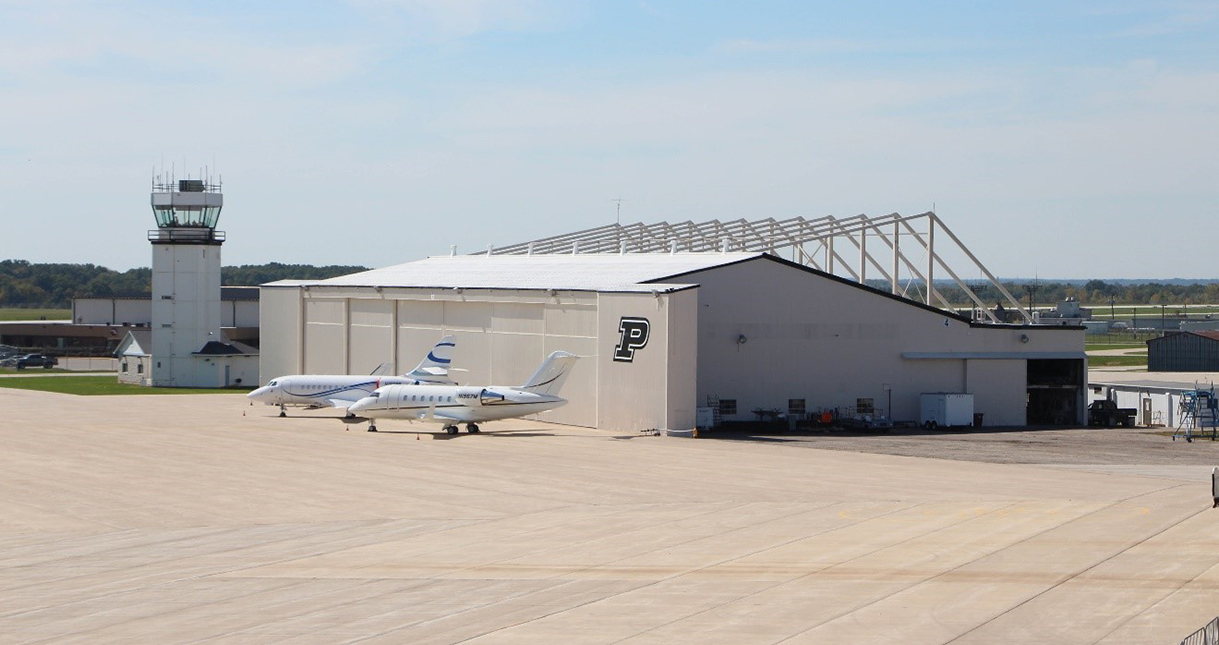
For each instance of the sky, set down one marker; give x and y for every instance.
(1058, 139)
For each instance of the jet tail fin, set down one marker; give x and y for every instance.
(384, 369)
(552, 374)
(435, 367)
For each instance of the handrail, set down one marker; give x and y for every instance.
(200, 235)
(1208, 635)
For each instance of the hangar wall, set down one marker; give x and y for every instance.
(111, 311)
(811, 337)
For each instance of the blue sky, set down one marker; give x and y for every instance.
(1063, 139)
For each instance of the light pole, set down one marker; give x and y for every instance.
(1112, 313)
(1163, 329)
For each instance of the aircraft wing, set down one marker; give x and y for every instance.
(458, 415)
(340, 403)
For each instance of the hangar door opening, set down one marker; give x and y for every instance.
(1055, 389)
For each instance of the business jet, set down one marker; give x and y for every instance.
(471, 405)
(314, 391)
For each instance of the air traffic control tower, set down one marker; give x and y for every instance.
(185, 280)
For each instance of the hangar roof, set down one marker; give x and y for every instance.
(583, 272)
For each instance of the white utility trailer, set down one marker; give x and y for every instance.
(945, 409)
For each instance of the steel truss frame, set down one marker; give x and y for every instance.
(796, 235)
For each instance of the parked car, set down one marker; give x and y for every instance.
(36, 360)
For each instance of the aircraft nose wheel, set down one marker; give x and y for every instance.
(472, 428)
(372, 427)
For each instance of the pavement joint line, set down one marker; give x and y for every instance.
(1075, 575)
(1167, 595)
(201, 534)
(830, 566)
(525, 533)
(644, 585)
(651, 526)
(173, 610)
(156, 562)
(196, 576)
(768, 548)
(406, 585)
(287, 585)
(439, 478)
(427, 621)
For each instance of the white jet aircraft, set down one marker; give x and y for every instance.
(314, 391)
(471, 405)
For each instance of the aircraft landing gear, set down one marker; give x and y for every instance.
(282, 411)
(472, 428)
(372, 426)
(450, 429)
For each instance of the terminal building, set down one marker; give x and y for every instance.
(663, 334)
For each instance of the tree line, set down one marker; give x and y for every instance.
(24, 284)
(54, 285)
(1091, 293)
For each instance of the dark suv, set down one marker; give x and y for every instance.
(36, 360)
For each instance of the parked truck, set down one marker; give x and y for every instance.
(1106, 413)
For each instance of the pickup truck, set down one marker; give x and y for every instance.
(36, 360)
(1106, 413)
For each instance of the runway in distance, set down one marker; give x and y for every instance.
(315, 391)
(471, 405)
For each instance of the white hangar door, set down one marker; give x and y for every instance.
(325, 337)
(370, 335)
(420, 327)
(572, 327)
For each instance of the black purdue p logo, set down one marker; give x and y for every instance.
(632, 335)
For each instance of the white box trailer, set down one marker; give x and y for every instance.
(945, 409)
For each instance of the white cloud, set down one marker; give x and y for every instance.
(135, 44)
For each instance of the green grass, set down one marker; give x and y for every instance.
(1114, 340)
(1118, 361)
(100, 385)
(35, 314)
(1088, 347)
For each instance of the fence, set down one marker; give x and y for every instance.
(1208, 635)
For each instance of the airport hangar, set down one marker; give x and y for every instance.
(666, 333)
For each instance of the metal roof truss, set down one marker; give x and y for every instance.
(810, 242)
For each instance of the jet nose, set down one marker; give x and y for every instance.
(260, 394)
(362, 404)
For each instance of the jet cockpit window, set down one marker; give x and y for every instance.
(272, 383)
(375, 395)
